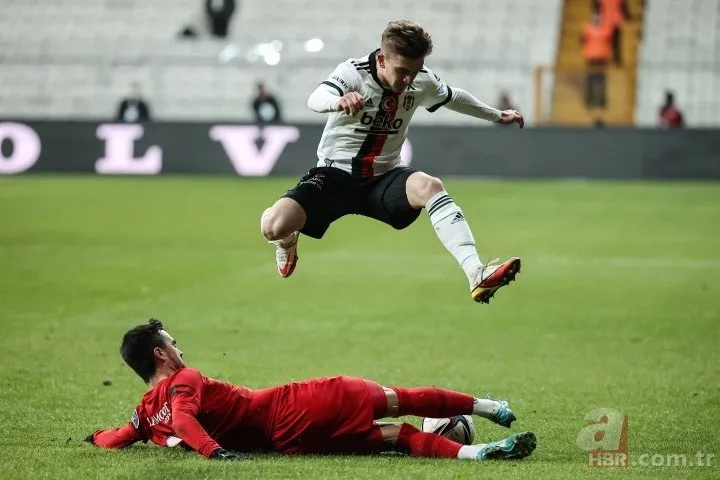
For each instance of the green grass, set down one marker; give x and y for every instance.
(617, 306)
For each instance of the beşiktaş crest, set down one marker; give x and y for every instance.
(409, 101)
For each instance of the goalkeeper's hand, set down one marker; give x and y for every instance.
(222, 454)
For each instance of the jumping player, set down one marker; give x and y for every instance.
(318, 416)
(371, 101)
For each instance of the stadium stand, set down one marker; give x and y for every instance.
(680, 52)
(76, 58)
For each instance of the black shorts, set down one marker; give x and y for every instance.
(328, 193)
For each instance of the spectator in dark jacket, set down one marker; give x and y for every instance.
(133, 108)
(669, 116)
(266, 106)
(219, 14)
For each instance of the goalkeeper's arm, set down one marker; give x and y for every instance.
(115, 438)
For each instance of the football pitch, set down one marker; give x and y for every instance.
(617, 307)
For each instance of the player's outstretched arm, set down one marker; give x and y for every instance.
(465, 103)
(115, 438)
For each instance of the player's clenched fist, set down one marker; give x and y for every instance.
(508, 117)
(351, 103)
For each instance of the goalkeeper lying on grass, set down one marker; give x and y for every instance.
(318, 416)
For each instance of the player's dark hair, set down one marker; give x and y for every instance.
(407, 39)
(138, 345)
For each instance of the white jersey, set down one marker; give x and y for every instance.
(369, 143)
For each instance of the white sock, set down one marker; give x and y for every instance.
(486, 408)
(454, 232)
(469, 452)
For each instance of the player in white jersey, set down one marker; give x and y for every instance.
(359, 171)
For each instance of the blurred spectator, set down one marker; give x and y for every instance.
(133, 108)
(504, 102)
(265, 106)
(597, 52)
(219, 13)
(614, 14)
(669, 116)
(188, 32)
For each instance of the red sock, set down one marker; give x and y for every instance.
(420, 444)
(432, 402)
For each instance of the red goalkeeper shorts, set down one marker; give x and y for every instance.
(328, 415)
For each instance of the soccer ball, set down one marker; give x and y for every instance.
(460, 428)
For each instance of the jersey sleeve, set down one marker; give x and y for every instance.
(185, 394)
(345, 78)
(119, 437)
(436, 93)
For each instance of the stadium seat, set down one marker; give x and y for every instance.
(93, 50)
(678, 53)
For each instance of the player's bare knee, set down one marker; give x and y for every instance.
(423, 187)
(434, 186)
(272, 233)
(271, 224)
(282, 219)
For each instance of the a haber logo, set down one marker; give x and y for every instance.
(605, 438)
(240, 145)
(24, 145)
(119, 151)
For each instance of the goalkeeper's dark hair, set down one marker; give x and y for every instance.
(138, 345)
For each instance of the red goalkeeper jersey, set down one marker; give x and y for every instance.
(186, 407)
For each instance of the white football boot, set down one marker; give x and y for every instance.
(489, 278)
(286, 254)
